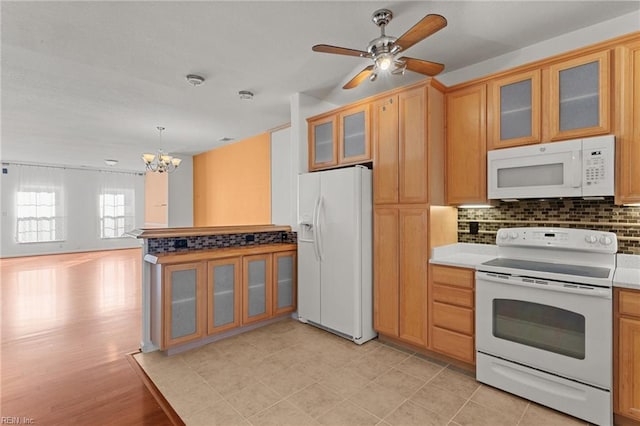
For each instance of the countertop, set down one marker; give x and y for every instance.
(627, 271)
(465, 255)
(194, 231)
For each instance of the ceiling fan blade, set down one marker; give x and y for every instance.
(359, 78)
(325, 48)
(422, 67)
(423, 29)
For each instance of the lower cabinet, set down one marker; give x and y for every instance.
(451, 312)
(193, 300)
(223, 294)
(627, 354)
(285, 271)
(402, 239)
(183, 302)
(256, 286)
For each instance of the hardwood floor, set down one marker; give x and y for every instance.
(68, 322)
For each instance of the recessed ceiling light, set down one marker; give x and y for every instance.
(245, 95)
(110, 162)
(194, 79)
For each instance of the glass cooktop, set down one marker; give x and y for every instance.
(556, 268)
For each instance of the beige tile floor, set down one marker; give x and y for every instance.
(289, 373)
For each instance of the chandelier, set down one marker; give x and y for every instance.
(160, 162)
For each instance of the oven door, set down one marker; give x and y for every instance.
(561, 328)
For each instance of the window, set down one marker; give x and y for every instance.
(113, 220)
(36, 216)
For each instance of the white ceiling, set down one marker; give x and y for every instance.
(86, 81)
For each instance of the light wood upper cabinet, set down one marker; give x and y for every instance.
(628, 124)
(466, 147)
(579, 97)
(514, 112)
(354, 141)
(323, 136)
(385, 147)
(340, 137)
(408, 144)
(412, 149)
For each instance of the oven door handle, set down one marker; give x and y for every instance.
(543, 284)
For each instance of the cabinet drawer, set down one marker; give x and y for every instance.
(453, 318)
(453, 344)
(453, 295)
(460, 277)
(629, 303)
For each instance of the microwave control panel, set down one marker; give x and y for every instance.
(598, 155)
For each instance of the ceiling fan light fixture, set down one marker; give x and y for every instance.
(384, 61)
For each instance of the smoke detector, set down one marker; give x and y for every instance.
(194, 79)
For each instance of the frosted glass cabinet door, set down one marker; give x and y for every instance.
(322, 142)
(183, 297)
(515, 107)
(354, 142)
(284, 279)
(223, 294)
(580, 97)
(256, 276)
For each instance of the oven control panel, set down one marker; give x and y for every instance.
(569, 238)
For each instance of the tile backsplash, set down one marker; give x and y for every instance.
(600, 215)
(208, 242)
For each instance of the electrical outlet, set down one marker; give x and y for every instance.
(180, 244)
(474, 228)
(249, 238)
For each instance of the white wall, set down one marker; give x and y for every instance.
(82, 233)
(580, 38)
(282, 178)
(181, 194)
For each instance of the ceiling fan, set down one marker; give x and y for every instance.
(384, 49)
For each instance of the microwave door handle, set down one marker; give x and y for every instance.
(576, 169)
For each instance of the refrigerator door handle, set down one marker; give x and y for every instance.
(318, 228)
(314, 228)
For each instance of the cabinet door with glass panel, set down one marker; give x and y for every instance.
(323, 136)
(354, 144)
(284, 282)
(514, 110)
(256, 282)
(183, 297)
(579, 103)
(224, 294)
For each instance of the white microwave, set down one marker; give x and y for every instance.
(575, 168)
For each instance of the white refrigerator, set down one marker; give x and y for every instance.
(335, 290)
